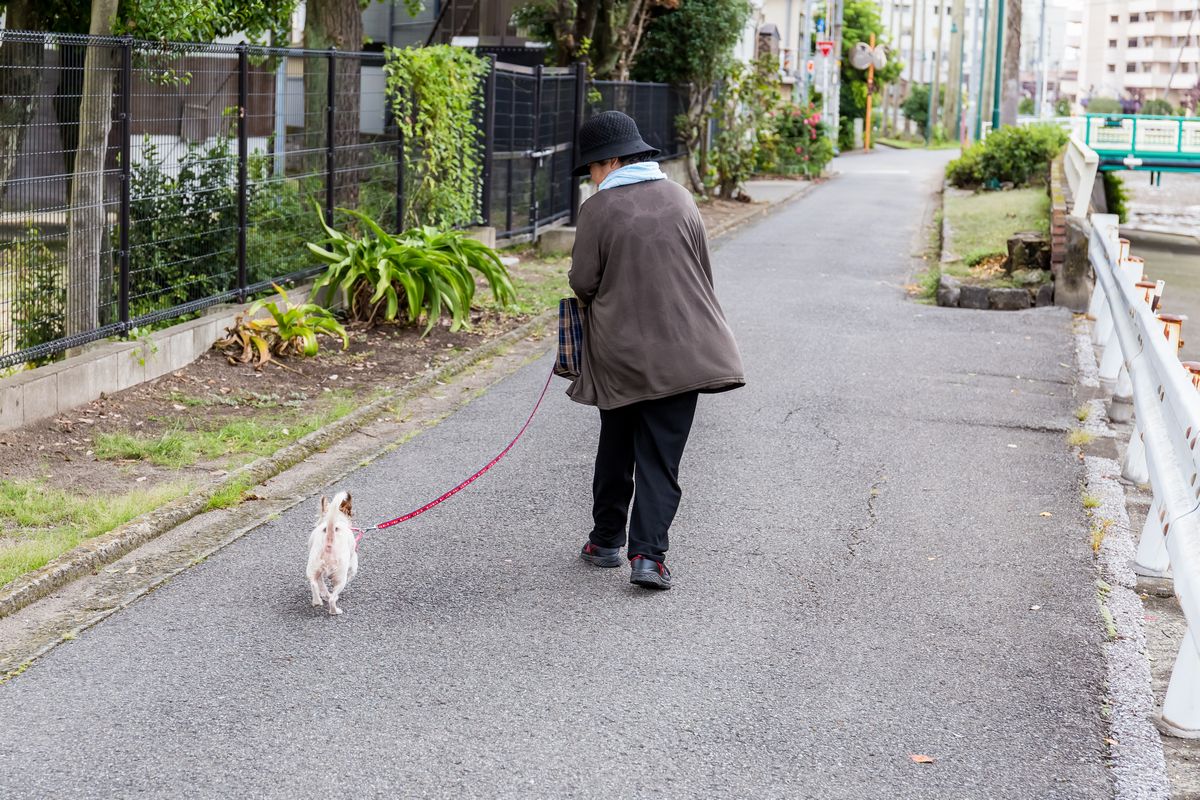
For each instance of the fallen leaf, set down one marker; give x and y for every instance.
(921, 759)
(1111, 741)
(131, 570)
(142, 478)
(1045, 514)
(178, 407)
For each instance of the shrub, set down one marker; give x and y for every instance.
(39, 305)
(1157, 107)
(1104, 105)
(748, 95)
(796, 143)
(1062, 108)
(1016, 155)
(422, 272)
(1025, 106)
(1115, 195)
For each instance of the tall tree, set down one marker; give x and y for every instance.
(334, 23)
(1010, 77)
(607, 32)
(167, 20)
(692, 46)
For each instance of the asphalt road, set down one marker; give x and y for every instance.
(858, 559)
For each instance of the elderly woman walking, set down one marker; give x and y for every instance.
(655, 338)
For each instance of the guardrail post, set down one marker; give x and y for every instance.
(1104, 324)
(489, 140)
(1133, 467)
(1181, 707)
(1130, 271)
(534, 163)
(580, 103)
(1152, 560)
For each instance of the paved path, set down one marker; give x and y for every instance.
(857, 555)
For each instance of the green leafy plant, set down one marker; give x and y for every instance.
(433, 92)
(39, 306)
(1104, 105)
(1157, 107)
(290, 329)
(795, 143)
(422, 272)
(748, 95)
(1012, 154)
(1115, 196)
(1025, 106)
(1062, 108)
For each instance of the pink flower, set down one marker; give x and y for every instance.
(795, 112)
(799, 150)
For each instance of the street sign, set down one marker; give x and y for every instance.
(810, 66)
(825, 46)
(821, 25)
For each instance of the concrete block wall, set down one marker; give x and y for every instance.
(108, 367)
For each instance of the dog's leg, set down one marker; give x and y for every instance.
(318, 589)
(339, 583)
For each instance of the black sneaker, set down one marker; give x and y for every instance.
(601, 556)
(649, 573)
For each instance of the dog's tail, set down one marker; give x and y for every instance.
(331, 518)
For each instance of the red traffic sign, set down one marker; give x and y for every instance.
(825, 46)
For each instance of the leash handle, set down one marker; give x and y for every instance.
(478, 474)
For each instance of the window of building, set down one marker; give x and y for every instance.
(1133, 42)
(1112, 67)
(1185, 14)
(1149, 16)
(1114, 19)
(1112, 43)
(1131, 67)
(1135, 17)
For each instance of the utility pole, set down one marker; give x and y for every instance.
(924, 7)
(998, 69)
(897, 94)
(836, 99)
(984, 100)
(912, 60)
(935, 80)
(887, 90)
(953, 113)
(1039, 109)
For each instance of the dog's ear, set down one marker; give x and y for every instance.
(346, 507)
(324, 505)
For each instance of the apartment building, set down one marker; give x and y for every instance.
(1139, 49)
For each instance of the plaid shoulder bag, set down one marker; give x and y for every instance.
(570, 338)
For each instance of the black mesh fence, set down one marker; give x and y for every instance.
(141, 181)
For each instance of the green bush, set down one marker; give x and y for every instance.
(796, 143)
(1062, 108)
(1016, 155)
(1115, 195)
(1157, 107)
(39, 305)
(748, 96)
(1025, 106)
(421, 272)
(1104, 105)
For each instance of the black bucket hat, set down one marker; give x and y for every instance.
(609, 134)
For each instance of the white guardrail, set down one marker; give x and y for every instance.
(1140, 363)
(1080, 163)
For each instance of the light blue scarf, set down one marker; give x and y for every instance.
(632, 173)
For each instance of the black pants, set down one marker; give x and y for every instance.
(638, 459)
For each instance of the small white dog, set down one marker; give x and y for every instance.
(331, 553)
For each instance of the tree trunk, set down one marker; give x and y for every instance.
(334, 23)
(1010, 95)
(88, 218)
(20, 74)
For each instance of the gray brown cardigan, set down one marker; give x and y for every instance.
(653, 327)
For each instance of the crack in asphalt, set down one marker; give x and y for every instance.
(858, 533)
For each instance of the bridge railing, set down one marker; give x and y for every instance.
(1140, 364)
(1080, 164)
(1126, 140)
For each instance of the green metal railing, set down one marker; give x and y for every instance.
(1136, 141)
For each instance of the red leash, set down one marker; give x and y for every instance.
(438, 501)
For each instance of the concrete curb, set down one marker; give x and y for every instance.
(732, 225)
(109, 547)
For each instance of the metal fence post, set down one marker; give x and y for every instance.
(489, 140)
(330, 123)
(536, 146)
(581, 75)
(126, 178)
(243, 188)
